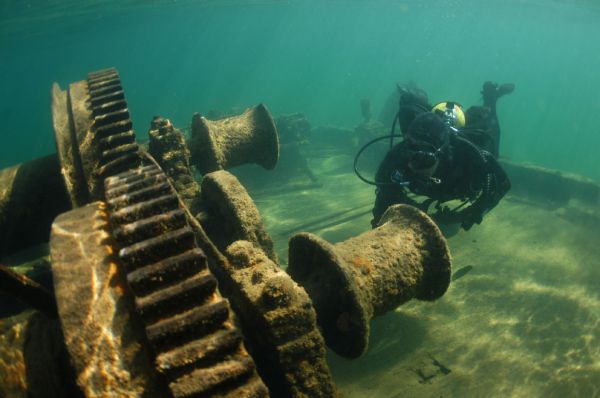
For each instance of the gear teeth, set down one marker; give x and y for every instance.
(180, 297)
(141, 195)
(125, 179)
(99, 100)
(174, 269)
(111, 124)
(186, 320)
(110, 80)
(288, 326)
(209, 348)
(184, 327)
(122, 150)
(202, 382)
(109, 107)
(155, 249)
(120, 164)
(281, 323)
(105, 119)
(101, 73)
(127, 137)
(103, 132)
(146, 209)
(135, 185)
(150, 227)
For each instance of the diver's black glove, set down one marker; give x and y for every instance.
(466, 217)
(469, 217)
(444, 215)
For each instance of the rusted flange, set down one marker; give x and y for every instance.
(279, 321)
(230, 213)
(247, 138)
(350, 282)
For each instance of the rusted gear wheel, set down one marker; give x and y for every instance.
(230, 213)
(95, 308)
(94, 134)
(186, 320)
(281, 324)
(113, 131)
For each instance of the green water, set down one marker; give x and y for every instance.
(524, 321)
(315, 57)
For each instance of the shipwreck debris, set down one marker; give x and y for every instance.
(350, 282)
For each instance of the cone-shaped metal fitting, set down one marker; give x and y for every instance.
(247, 138)
(350, 282)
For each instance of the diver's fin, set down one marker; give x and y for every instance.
(491, 92)
(504, 89)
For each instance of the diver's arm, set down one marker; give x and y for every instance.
(491, 181)
(389, 192)
(494, 186)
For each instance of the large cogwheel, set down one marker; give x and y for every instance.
(187, 322)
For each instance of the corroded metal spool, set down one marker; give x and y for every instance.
(350, 282)
(247, 138)
(230, 213)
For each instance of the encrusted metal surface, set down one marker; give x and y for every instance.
(167, 145)
(114, 139)
(186, 320)
(33, 359)
(231, 215)
(280, 322)
(105, 342)
(247, 138)
(94, 134)
(352, 281)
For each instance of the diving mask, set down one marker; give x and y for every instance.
(423, 159)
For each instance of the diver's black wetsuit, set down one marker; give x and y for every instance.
(465, 171)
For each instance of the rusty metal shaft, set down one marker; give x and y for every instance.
(32, 194)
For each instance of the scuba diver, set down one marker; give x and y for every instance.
(444, 156)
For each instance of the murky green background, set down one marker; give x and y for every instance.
(316, 57)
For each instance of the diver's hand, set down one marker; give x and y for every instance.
(465, 218)
(446, 216)
(470, 218)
